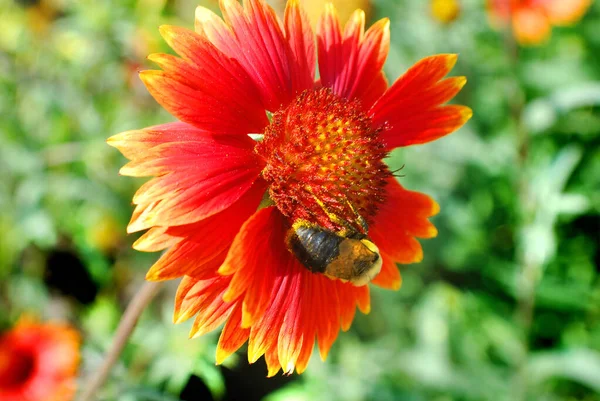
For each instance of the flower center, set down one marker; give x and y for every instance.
(16, 367)
(324, 159)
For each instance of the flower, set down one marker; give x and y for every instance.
(344, 8)
(223, 204)
(445, 11)
(38, 361)
(532, 20)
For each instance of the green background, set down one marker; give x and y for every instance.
(505, 305)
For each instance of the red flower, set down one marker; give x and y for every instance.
(227, 207)
(532, 20)
(38, 362)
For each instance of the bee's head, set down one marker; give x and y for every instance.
(358, 262)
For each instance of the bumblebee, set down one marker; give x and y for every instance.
(348, 254)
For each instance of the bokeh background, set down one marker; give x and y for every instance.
(504, 306)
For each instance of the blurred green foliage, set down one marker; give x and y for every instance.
(506, 304)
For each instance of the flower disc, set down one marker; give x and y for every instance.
(324, 157)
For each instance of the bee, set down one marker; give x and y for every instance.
(348, 254)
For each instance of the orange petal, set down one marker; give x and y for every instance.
(214, 311)
(351, 63)
(329, 45)
(373, 51)
(194, 295)
(134, 143)
(271, 63)
(327, 319)
(499, 12)
(196, 179)
(218, 80)
(264, 333)
(301, 39)
(211, 26)
(411, 109)
(566, 12)
(183, 100)
(531, 25)
(308, 321)
(293, 330)
(256, 251)
(233, 335)
(389, 276)
(375, 90)
(284, 301)
(347, 304)
(402, 217)
(203, 246)
(272, 360)
(202, 298)
(156, 239)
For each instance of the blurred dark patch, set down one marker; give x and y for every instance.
(589, 226)
(480, 282)
(27, 3)
(245, 382)
(196, 390)
(249, 382)
(66, 273)
(546, 329)
(565, 389)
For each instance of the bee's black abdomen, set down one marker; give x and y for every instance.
(314, 247)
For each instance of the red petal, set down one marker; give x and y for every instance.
(255, 252)
(204, 298)
(205, 87)
(566, 12)
(308, 321)
(300, 36)
(327, 319)
(191, 105)
(411, 109)
(196, 179)
(54, 349)
(233, 335)
(156, 239)
(351, 64)
(377, 88)
(214, 312)
(134, 143)
(329, 45)
(531, 25)
(194, 295)
(389, 276)
(293, 330)
(284, 301)
(202, 246)
(265, 331)
(252, 35)
(402, 217)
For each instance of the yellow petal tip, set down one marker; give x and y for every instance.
(468, 112)
(221, 355)
(435, 208)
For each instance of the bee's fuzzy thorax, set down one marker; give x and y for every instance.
(324, 147)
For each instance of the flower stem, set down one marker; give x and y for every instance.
(135, 308)
(529, 271)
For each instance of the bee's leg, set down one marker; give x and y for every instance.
(359, 218)
(335, 218)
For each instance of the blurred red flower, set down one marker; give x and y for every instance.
(38, 361)
(532, 20)
(225, 205)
